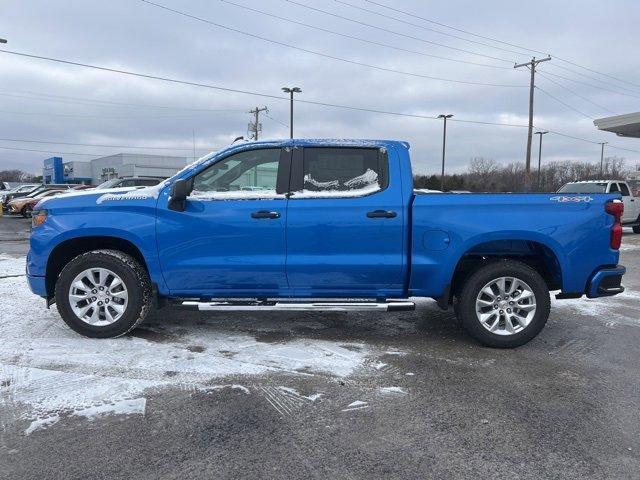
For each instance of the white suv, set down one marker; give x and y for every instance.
(631, 215)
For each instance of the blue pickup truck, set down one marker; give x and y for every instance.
(320, 225)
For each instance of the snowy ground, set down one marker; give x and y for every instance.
(412, 378)
(47, 371)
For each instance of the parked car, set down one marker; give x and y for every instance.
(34, 191)
(16, 189)
(24, 205)
(340, 221)
(631, 215)
(130, 182)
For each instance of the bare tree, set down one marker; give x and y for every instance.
(487, 175)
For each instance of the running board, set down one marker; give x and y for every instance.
(299, 306)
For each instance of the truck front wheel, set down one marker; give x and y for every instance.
(504, 304)
(103, 293)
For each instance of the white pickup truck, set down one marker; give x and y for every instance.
(631, 215)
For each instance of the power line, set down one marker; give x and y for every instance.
(591, 77)
(454, 28)
(501, 42)
(389, 17)
(276, 120)
(360, 39)
(564, 103)
(49, 142)
(561, 134)
(590, 85)
(309, 7)
(52, 151)
(324, 55)
(596, 71)
(106, 103)
(75, 115)
(248, 92)
(574, 92)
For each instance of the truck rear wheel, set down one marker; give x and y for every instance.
(504, 304)
(103, 294)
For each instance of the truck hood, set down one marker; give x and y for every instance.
(93, 198)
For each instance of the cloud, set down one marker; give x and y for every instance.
(139, 37)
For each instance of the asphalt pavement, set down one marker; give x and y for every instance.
(317, 395)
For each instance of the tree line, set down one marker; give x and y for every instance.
(19, 176)
(487, 175)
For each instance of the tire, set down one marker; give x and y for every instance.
(636, 229)
(107, 320)
(27, 211)
(528, 305)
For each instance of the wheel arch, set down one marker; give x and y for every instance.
(67, 250)
(537, 254)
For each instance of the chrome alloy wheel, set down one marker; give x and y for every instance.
(505, 306)
(98, 296)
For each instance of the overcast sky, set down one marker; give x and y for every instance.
(47, 101)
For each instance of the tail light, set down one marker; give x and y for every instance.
(615, 208)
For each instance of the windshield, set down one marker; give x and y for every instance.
(108, 184)
(35, 192)
(580, 187)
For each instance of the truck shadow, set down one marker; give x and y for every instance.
(426, 323)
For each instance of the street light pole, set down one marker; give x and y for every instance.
(602, 144)
(444, 144)
(291, 91)
(541, 133)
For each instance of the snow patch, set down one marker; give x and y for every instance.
(237, 195)
(357, 405)
(295, 393)
(41, 423)
(48, 371)
(10, 266)
(122, 407)
(393, 390)
(217, 388)
(378, 365)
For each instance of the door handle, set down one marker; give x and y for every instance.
(381, 214)
(265, 214)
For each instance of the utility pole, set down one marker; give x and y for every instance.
(532, 67)
(602, 144)
(444, 144)
(291, 91)
(541, 133)
(254, 128)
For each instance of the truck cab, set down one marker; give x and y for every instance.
(320, 225)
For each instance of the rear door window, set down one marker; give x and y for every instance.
(340, 172)
(624, 190)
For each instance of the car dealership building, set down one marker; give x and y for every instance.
(96, 171)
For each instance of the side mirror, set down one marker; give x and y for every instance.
(180, 190)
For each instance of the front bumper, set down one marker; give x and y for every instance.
(606, 282)
(37, 285)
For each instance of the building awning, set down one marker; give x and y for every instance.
(622, 125)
